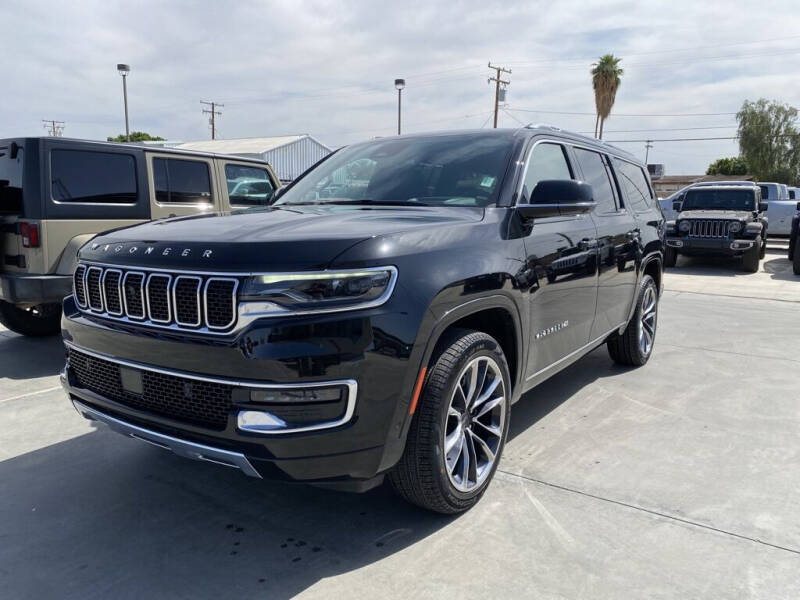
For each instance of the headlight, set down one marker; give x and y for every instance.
(735, 227)
(318, 292)
(684, 226)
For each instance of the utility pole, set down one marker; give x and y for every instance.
(647, 147)
(54, 128)
(214, 113)
(497, 82)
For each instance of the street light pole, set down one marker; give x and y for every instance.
(124, 70)
(399, 84)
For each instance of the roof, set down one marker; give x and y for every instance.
(257, 145)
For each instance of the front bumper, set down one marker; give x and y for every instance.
(34, 289)
(365, 350)
(691, 246)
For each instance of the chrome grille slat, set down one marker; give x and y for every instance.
(79, 285)
(202, 302)
(709, 228)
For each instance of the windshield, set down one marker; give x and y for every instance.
(719, 200)
(453, 170)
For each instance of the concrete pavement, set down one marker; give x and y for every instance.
(677, 480)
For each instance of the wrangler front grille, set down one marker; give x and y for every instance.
(203, 403)
(709, 228)
(196, 302)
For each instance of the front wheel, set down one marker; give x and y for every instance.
(37, 321)
(752, 258)
(670, 257)
(459, 429)
(634, 346)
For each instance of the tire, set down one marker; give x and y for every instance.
(792, 244)
(763, 251)
(752, 258)
(796, 259)
(39, 321)
(670, 257)
(426, 474)
(634, 346)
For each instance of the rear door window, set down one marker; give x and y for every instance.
(88, 177)
(595, 173)
(634, 182)
(181, 181)
(248, 185)
(10, 181)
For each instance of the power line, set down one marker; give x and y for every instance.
(497, 81)
(561, 112)
(214, 113)
(54, 128)
(703, 139)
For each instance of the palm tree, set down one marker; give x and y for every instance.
(606, 74)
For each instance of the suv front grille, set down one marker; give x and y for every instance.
(709, 228)
(198, 302)
(203, 403)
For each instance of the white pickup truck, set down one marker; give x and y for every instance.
(781, 208)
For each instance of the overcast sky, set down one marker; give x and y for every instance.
(327, 68)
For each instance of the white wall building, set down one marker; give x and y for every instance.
(289, 155)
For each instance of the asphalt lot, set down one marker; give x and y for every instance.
(677, 480)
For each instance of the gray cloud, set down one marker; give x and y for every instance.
(327, 68)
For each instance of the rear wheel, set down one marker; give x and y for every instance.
(670, 257)
(634, 346)
(37, 321)
(459, 428)
(763, 252)
(752, 258)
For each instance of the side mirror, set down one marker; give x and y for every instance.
(792, 195)
(762, 206)
(676, 206)
(798, 206)
(558, 197)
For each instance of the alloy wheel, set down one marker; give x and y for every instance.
(647, 321)
(475, 421)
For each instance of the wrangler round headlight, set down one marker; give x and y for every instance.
(735, 227)
(684, 226)
(318, 292)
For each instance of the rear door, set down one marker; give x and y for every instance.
(616, 243)
(245, 184)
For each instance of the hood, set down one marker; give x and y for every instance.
(276, 238)
(737, 215)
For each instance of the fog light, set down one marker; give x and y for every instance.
(277, 396)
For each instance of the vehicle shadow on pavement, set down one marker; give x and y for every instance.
(102, 516)
(780, 268)
(28, 358)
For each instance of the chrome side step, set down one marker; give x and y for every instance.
(180, 447)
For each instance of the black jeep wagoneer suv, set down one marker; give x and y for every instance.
(380, 318)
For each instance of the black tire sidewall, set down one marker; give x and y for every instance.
(486, 346)
(21, 321)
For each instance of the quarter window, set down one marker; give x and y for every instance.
(596, 174)
(92, 177)
(248, 186)
(547, 161)
(634, 182)
(179, 181)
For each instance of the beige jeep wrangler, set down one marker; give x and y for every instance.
(57, 193)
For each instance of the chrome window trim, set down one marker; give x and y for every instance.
(128, 314)
(100, 290)
(350, 384)
(234, 311)
(119, 291)
(83, 286)
(147, 295)
(199, 281)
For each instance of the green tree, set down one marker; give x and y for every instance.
(768, 140)
(136, 136)
(606, 77)
(735, 165)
